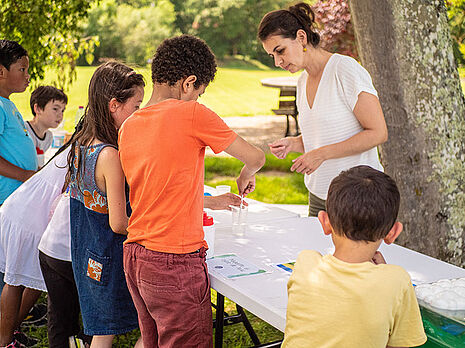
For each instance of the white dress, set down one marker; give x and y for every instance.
(23, 219)
(331, 119)
(56, 240)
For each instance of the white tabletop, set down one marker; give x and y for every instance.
(280, 241)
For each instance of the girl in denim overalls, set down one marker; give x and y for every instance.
(98, 205)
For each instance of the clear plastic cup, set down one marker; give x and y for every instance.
(239, 218)
(222, 189)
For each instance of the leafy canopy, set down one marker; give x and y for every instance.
(130, 31)
(48, 30)
(456, 14)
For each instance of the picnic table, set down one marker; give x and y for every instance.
(287, 99)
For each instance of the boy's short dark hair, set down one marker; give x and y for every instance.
(179, 57)
(362, 204)
(43, 94)
(10, 52)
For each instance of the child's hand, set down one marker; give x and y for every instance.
(222, 202)
(378, 258)
(245, 184)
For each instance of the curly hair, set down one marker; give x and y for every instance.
(179, 57)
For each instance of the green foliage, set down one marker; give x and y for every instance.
(228, 26)
(282, 189)
(48, 30)
(283, 165)
(456, 14)
(274, 183)
(130, 31)
(228, 166)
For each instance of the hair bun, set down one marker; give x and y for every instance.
(303, 12)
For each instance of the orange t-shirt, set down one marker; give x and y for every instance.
(162, 150)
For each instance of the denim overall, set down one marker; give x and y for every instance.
(97, 255)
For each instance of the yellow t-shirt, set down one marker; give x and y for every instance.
(333, 303)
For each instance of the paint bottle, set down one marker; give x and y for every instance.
(209, 234)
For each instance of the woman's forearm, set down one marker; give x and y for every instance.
(297, 144)
(360, 142)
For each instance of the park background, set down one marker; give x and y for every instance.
(130, 31)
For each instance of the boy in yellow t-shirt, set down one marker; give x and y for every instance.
(352, 298)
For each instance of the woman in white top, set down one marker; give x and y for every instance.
(339, 112)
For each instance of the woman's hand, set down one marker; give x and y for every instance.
(308, 162)
(280, 148)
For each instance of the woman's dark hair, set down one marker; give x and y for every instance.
(10, 52)
(110, 80)
(287, 22)
(179, 57)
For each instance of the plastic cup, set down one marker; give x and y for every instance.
(222, 189)
(239, 218)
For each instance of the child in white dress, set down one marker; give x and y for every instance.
(23, 219)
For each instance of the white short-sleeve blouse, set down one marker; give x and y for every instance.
(331, 119)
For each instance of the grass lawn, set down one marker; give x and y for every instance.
(235, 336)
(274, 183)
(234, 92)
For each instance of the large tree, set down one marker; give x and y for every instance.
(406, 46)
(48, 29)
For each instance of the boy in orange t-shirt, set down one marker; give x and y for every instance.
(162, 148)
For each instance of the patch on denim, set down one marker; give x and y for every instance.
(94, 269)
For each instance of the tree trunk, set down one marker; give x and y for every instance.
(406, 46)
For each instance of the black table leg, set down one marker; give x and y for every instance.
(248, 326)
(219, 320)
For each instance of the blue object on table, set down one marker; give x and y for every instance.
(206, 194)
(453, 329)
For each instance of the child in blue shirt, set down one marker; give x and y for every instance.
(18, 160)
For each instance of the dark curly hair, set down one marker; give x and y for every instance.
(287, 22)
(179, 57)
(363, 204)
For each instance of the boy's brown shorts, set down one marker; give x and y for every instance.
(171, 293)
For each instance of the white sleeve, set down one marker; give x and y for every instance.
(354, 80)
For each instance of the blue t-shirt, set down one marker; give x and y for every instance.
(16, 145)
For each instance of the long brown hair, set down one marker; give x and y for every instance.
(110, 80)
